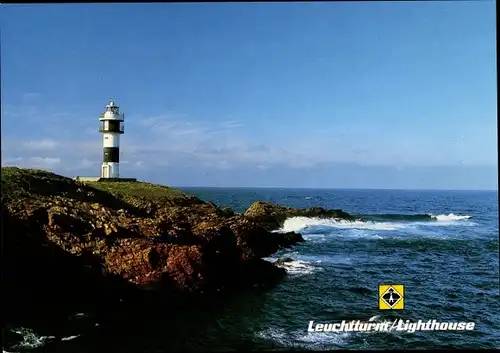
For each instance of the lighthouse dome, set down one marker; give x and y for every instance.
(110, 115)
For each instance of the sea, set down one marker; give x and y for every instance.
(442, 246)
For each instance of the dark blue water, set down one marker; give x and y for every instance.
(442, 245)
(448, 263)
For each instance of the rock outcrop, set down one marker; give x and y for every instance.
(283, 260)
(272, 216)
(70, 245)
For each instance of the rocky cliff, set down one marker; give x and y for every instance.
(71, 246)
(272, 216)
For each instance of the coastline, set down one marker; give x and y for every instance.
(113, 248)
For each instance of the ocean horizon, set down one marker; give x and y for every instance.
(320, 188)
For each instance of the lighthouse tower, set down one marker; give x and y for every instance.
(111, 127)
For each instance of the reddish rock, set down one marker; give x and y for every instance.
(272, 216)
(64, 238)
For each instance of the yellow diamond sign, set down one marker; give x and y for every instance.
(391, 297)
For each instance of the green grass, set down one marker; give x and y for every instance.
(16, 181)
(138, 189)
(21, 181)
(12, 174)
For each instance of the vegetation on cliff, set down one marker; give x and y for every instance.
(146, 191)
(78, 247)
(73, 243)
(272, 216)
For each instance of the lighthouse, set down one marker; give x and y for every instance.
(111, 127)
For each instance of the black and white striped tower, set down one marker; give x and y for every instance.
(111, 126)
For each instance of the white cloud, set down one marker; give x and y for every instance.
(168, 140)
(83, 164)
(12, 161)
(177, 141)
(31, 96)
(174, 140)
(44, 162)
(45, 144)
(232, 124)
(33, 162)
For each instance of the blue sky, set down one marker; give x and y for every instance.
(340, 95)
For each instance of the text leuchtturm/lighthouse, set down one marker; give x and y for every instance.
(111, 126)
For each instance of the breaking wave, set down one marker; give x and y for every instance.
(296, 266)
(297, 224)
(30, 339)
(301, 339)
(33, 340)
(414, 217)
(450, 217)
(383, 222)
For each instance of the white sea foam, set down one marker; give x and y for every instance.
(450, 217)
(31, 339)
(325, 259)
(298, 267)
(302, 339)
(269, 259)
(299, 224)
(69, 338)
(300, 264)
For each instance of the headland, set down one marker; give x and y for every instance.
(73, 246)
